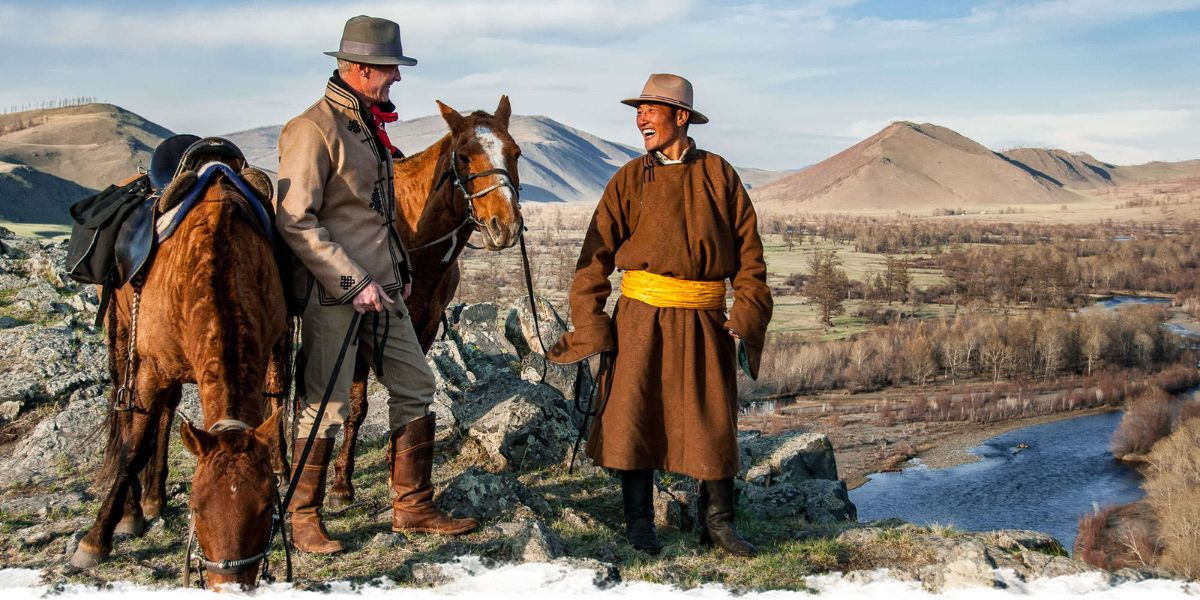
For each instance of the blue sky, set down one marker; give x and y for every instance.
(785, 84)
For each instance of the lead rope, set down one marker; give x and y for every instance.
(124, 399)
(603, 374)
(537, 323)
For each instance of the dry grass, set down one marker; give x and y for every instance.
(1173, 491)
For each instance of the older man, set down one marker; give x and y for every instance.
(336, 211)
(679, 223)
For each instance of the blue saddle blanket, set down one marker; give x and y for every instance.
(170, 220)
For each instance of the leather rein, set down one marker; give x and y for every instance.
(459, 183)
(239, 565)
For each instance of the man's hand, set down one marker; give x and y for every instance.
(371, 299)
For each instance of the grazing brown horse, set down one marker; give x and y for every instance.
(466, 181)
(211, 311)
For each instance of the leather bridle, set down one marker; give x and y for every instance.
(239, 565)
(471, 217)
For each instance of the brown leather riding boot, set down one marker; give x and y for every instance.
(410, 462)
(308, 532)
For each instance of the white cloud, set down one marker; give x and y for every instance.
(264, 25)
(780, 79)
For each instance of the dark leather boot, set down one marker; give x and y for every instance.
(308, 532)
(410, 462)
(637, 495)
(716, 518)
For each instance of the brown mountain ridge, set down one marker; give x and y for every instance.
(912, 167)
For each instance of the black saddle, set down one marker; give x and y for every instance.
(186, 152)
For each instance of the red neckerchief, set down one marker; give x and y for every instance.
(381, 119)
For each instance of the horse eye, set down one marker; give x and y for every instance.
(462, 158)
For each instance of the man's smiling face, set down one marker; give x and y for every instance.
(660, 125)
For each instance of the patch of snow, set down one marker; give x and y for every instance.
(471, 579)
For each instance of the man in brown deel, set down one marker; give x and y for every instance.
(336, 211)
(679, 223)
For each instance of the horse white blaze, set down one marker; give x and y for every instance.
(492, 147)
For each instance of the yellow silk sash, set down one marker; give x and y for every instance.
(669, 292)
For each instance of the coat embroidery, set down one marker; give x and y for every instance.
(376, 201)
(347, 282)
(353, 126)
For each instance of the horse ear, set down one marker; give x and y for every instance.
(453, 119)
(197, 441)
(268, 431)
(503, 111)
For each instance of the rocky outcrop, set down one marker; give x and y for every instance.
(946, 559)
(794, 475)
(53, 366)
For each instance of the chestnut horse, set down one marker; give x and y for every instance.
(211, 311)
(466, 181)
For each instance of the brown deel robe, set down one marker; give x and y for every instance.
(673, 402)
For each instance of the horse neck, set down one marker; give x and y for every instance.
(427, 209)
(223, 333)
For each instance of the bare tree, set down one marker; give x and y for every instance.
(827, 284)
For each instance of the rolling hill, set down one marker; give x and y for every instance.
(92, 145)
(912, 167)
(1080, 170)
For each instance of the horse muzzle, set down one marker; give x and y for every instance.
(498, 236)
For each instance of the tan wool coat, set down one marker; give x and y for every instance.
(336, 205)
(673, 399)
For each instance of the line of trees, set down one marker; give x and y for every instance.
(902, 236)
(1019, 347)
(49, 104)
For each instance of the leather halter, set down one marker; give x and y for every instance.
(235, 566)
(460, 184)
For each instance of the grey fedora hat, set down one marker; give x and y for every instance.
(673, 90)
(372, 41)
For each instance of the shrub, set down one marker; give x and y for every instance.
(1119, 536)
(1173, 491)
(1147, 420)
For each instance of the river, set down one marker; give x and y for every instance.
(1064, 473)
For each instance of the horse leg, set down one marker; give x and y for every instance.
(426, 310)
(154, 476)
(341, 494)
(276, 386)
(130, 453)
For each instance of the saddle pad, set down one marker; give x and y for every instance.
(169, 221)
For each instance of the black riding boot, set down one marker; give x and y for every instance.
(716, 514)
(637, 492)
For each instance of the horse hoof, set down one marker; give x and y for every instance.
(339, 500)
(131, 526)
(82, 559)
(152, 511)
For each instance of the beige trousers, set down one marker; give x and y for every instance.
(405, 373)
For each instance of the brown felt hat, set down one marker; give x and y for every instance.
(672, 90)
(372, 41)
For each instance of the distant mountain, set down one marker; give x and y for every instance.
(558, 163)
(1080, 170)
(92, 145)
(755, 178)
(907, 167)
